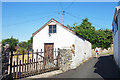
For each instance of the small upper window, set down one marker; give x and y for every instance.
(52, 28)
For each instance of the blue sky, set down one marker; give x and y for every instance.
(21, 19)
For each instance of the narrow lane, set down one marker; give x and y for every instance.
(102, 67)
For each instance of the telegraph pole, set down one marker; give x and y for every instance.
(63, 17)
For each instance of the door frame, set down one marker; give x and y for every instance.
(45, 51)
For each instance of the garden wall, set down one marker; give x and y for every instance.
(65, 59)
(104, 51)
(4, 61)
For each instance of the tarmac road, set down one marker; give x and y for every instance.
(102, 67)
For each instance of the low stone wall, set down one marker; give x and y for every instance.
(65, 59)
(104, 51)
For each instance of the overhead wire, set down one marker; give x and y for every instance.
(61, 5)
(72, 15)
(36, 14)
(69, 5)
(27, 21)
(79, 19)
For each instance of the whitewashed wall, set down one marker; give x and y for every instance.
(119, 39)
(115, 46)
(63, 39)
(116, 41)
(82, 51)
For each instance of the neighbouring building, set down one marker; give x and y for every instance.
(0, 61)
(55, 35)
(116, 35)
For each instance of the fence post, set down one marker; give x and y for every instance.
(17, 65)
(14, 70)
(32, 55)
(58, 57)
(40, 60)
(25, 65)
(36, 59)
(55, 53)
(44, 59)
(20, 69)
(34, 65)
(30, 66)
(22, 62)
(28, 61)
(32, 59)
(11, 63)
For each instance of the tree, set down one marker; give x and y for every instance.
(72, 27)
(29, 44)
(22, 44)
(99, 38)
(86, 30)
(26, 45)
(12, 43)
(103, 38)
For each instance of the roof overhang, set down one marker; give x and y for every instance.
(56, 23)
(61, 26)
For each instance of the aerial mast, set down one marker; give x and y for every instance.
(63, 17)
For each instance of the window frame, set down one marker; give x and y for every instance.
(52, 29)
(116, 22)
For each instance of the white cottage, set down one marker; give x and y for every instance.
(116, 35)
(56, 35)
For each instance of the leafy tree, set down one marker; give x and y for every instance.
(26, 45)
(103, 38)
(22, 44)
(72, 27)
(12, 43)
(29, 44)
(86, 30)
(99, 38)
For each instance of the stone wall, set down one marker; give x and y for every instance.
(0, 61)
(103, 51)
(4, 60)
(65, 59)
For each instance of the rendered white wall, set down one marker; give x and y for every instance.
(62, 39)
(116, 41)
(119, 39)
(115, 46)
(82, 51)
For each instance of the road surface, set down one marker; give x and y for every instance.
(102, 67)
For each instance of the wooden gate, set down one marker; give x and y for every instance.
(32, 63)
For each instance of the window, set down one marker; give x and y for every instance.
(52, 28)
(116, 22)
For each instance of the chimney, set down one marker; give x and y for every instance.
(119, 3)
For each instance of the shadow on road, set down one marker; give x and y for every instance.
(106, 67)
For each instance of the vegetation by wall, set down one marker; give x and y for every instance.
(101, 38)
